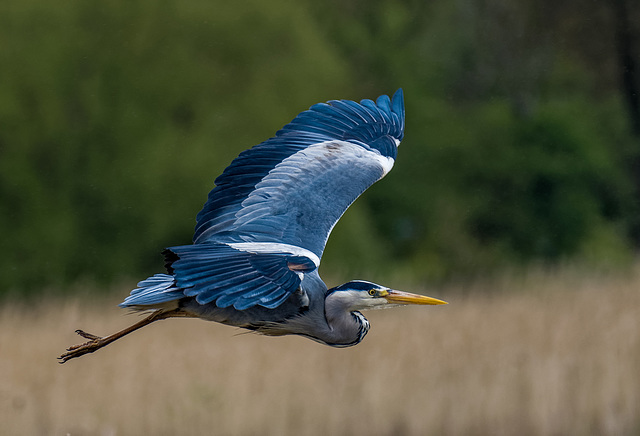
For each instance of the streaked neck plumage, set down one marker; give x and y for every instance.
(329, 319)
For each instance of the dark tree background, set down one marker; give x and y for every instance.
(522, 139)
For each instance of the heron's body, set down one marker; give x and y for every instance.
(339, 329)
(260, 236)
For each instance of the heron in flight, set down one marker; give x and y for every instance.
(260, 236)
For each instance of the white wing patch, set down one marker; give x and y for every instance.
(274, 247)
(385, 162)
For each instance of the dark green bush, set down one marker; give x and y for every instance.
(116, 117)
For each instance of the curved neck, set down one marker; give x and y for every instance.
(329, 323)
(329, 319)
(346, 327)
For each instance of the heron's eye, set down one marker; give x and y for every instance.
(372, 292)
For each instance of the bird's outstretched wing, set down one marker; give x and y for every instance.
(293, 188)
(225, 275)
(267, 220)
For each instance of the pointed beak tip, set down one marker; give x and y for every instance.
(436, 302)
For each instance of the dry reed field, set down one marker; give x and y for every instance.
(545, 354)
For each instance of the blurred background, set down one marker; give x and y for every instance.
(522, 133)
(521, 150)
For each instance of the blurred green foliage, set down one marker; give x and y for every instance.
(116, 117)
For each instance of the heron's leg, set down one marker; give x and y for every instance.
(97, 342)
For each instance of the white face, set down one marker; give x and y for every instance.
(363, 300)
(378, 297)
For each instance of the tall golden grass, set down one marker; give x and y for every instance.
(545, 354)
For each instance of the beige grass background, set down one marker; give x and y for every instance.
(547, 354)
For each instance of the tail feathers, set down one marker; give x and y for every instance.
(157, 289)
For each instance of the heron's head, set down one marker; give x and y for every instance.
(362, 295)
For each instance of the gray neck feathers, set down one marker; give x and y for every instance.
(346, 327)
(329, 321)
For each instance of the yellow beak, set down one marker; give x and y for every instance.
(399, 297)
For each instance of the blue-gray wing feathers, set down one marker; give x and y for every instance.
(267, 220)
(372, 126)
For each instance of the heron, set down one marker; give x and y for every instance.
(260, 236)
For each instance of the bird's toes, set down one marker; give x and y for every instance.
(88, 335)
(90, 346)
(78, 350)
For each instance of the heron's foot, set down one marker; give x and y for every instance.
(94, 343)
